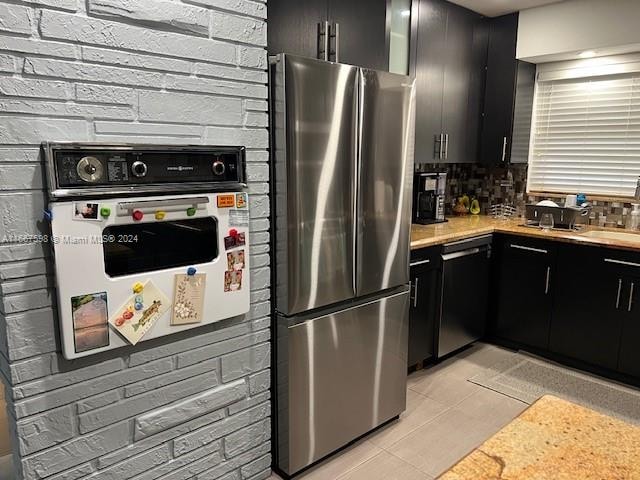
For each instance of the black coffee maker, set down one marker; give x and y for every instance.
(429, 197)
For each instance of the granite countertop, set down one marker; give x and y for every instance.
(555, 439)
(459, 228)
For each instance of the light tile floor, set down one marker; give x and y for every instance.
(446, 418)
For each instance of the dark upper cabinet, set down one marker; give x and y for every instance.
(508, 96)
(429, 68)
(358, 31)
(362, 35)
(293, 26)
(523, 298)
(424, 278)
(449, 67)
(589, 306)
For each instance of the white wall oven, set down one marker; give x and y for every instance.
(147, 240)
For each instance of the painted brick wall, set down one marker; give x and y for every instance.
(190, 406)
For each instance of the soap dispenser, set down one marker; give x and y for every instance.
(633, 223)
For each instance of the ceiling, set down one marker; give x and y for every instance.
(494, 8)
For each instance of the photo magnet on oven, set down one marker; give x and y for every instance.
(90, 327)
(86, 211)
(241, 200)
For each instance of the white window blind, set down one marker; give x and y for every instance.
(586, 135)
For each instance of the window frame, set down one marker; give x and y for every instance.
(592, 68)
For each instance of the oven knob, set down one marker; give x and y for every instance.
(89, 169)
(137, 215)
(218, 167)
(139, 169)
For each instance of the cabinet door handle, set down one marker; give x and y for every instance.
(323, 40)
(437, 147)
(504, 148)
(631, 297)
(336, 42)
(621, 262)
(546, 283)
(446, 146)
(419, 262)
(441, 147)
(528, 249)
(415, 293)
(619, 291)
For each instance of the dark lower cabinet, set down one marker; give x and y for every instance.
(523, 301)
(629, 357)
(424, 275)
(589, 307)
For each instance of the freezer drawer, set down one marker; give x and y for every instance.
(347, 374)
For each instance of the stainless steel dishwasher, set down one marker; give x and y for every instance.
(463, 295)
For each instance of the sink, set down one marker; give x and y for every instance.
(623, 236)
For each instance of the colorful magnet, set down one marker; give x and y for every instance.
(235, 260)
(105, 212)
(226, 201)
(191, 211)
(234, 239)
(137, 215)
(127, 314)
(138, 299)
(191, 271)
(137, 287)
(86, 211)
(241, 200)
(139, 306)
(232, 280)
(240, 240)
(229, 242)
(90, 327)
(160, 215)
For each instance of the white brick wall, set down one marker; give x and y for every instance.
(194, 405)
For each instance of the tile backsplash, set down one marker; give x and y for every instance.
(493, 185)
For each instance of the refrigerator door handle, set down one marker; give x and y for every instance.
(357, 221)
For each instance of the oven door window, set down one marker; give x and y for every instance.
(146, 247)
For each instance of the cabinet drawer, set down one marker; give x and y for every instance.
(426, 258)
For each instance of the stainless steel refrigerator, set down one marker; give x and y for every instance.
(342, 142)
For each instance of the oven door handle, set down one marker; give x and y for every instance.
(125, 208)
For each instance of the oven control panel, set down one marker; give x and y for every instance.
(94, 168)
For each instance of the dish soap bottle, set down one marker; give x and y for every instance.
(633, 223)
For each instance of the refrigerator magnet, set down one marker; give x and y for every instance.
(241, 200)
(239, 218)
(86, 211)
(226, 201)
(232, 280)
(90, 321)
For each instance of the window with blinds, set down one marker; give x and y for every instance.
(586, 135)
